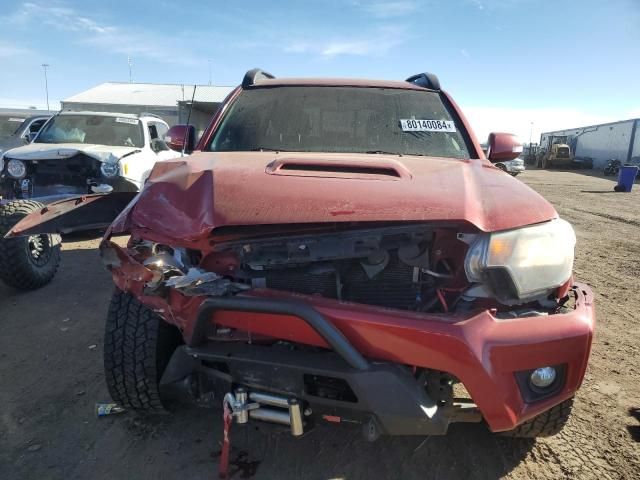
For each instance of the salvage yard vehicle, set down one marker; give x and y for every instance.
(557, 154)
(85, 152)
(342, 251)
(18, 130)
(75, 153)
(512, 167)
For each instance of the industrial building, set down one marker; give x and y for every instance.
(168, 101)
(616, 140)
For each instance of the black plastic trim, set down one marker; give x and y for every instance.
(426, 80)
(386, 392)
(254, 75)
(531, 393)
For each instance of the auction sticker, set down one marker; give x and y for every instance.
(131, 121)
(414, 125)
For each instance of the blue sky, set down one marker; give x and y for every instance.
(507, 62)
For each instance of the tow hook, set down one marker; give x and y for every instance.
(238, 405)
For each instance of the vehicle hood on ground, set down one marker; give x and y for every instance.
(186, 198)
(47, 151)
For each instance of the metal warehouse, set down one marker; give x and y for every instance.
(616, 140)
(165, 100)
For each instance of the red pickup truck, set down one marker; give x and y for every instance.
(341, 250)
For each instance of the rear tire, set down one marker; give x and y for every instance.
(137, 347)
(26, 263)
(546, 424)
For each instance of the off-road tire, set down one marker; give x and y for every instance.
(546, 424)
(137, 347)
(501, 167)
(26, 263)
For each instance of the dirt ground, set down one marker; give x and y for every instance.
(51, 377)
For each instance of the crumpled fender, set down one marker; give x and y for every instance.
(86, 212)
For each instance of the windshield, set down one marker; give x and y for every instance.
(10, 124)
(93, 129)
(341, 119)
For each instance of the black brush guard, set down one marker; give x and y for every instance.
(385, 393)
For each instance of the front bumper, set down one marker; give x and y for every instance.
(487, 354)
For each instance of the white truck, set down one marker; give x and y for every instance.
(75, 153)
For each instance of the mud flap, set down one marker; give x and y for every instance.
(87, 212)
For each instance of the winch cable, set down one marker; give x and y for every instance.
(227, 420)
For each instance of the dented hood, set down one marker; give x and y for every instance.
(186, 198)
(47, 151)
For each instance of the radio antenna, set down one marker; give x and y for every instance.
(186, 130)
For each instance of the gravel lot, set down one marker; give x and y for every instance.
(51, 376)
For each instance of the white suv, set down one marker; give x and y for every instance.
(85, 152)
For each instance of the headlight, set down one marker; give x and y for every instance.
(16, 168)
(522, 264)
(109, 169)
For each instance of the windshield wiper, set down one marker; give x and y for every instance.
(266, 149)
(382, 152)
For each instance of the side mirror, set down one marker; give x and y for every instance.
(503, 146)
(180, 137)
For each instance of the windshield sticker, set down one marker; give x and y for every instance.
(414, 125)
(16, 119)
(131, 121)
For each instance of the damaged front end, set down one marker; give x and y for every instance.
(64, 173)
(403, 327)
(377, 324)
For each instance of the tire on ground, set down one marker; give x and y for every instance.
(26, 263)
(137, 347)
(544, 425)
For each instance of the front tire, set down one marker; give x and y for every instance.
(26, 263)
(546, 424)
(137, 347)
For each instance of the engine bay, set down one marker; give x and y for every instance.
(392, 266)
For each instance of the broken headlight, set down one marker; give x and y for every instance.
(16, 168)
(523, 264)
(110, 169)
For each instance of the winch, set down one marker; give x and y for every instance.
(242, 406)
(265, 407)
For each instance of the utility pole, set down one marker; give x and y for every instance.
(130, 65)
(46, 83)
(209, 62)
(530, 134)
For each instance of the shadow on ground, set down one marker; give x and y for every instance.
(634, 430)
(327, 452)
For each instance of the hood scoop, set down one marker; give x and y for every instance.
(338, 168)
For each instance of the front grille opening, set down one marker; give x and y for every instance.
(329, 387)
(354, 169)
